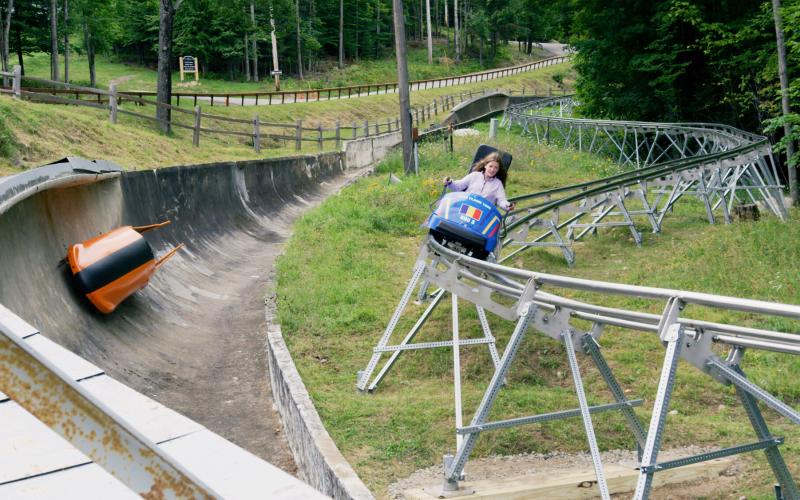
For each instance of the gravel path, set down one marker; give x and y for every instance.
(507, 467)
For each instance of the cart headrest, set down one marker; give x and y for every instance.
(485, 149)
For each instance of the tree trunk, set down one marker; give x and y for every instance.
(480, 53)
(430, 35)
(255, 36)
(246, 57)
(312, 13)
(377, 28)
(164, 84)
(20, 60)
(402, 79)
(420, 14)
(355, 55)
(89, 46)
(776, 10)
(5, 32)
(66, 41)
(455, 30)
(299, 45)
(274, 50)
(341, 34)
(446, 18)
(53, 41)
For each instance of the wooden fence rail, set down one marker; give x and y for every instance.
(309, 95)
(255, 130)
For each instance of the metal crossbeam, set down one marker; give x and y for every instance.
(549, 314)
(718, 164)
(548, 417)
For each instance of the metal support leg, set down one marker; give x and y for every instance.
(487, 333)
(436, 298)
(457, 372)
(743, 383)
(592, 348)
(637, 236)
(788, 487)
(566, 337)
(455, 467)
(364, 376)
(565, 247)
(672, 333)
(648, 208)
(704, 196)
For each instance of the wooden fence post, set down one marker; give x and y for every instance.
(256, 133)
(435, 108)
(355, 130)
(366, 128)
(319, 137)
(196, 131)
(338, 134)
(298, 135)
(16, 84)
(112, 103)
(377, 128)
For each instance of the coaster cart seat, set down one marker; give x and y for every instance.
(468, 223)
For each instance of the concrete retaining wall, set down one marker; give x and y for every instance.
(319, 461)
(369, 151)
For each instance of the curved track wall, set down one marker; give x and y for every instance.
(205, 203)
(184, 339)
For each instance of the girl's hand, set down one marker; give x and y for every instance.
(512, 207)
(447, 180)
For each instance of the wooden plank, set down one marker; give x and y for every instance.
(571, 484)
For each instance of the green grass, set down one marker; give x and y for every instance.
(136, 77)
(349, 260)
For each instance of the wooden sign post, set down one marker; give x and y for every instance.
(189, 65)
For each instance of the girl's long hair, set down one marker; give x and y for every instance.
(502, 173)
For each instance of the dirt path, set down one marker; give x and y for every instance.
(507, 467)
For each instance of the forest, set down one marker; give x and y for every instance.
(665, 60)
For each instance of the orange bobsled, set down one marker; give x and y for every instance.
(112, 266)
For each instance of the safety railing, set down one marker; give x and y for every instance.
(321, 94)
(722, 166)
(254, 132)
(539, 302)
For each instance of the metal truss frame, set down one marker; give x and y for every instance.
(664, 162)
(534, 308)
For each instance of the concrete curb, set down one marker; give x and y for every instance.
(319, 461)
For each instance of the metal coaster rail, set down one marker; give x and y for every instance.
(529, 300)
(718, 164)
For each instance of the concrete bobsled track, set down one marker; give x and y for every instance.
(193, 340)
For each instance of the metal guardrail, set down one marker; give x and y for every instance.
(530, 300)
(718, 164)
(74, 413)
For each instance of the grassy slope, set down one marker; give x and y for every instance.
(33, 134)
(347, 265)
(135, 77)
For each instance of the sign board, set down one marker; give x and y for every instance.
(276, 72)
(188, 64)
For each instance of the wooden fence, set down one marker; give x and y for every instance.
(256, 132)
(313, 95)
